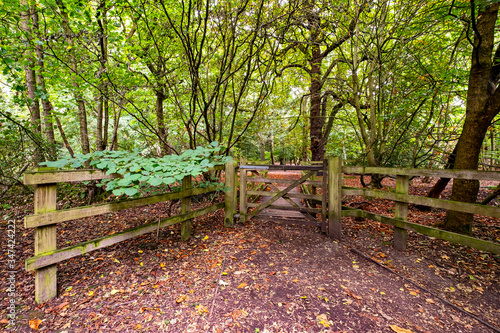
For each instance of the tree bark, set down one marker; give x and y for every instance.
(82, 113)
(482, 106)
(63, 136)
(493, 195)
(102, 105)
(40, 80)
(441, 184)
(32, 100)
(160, 119)
(315, 120)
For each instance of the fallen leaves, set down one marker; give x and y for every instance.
(200, 309)
(242, 285)
(181, 299)
(34, 323)
(398, 329)
(322, 319)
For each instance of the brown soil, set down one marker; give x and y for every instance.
(258, 277)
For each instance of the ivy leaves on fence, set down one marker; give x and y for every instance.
(142, 172)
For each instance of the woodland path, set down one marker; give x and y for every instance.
(261, 276)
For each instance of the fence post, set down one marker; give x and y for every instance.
(45, 240)
(335, 197)
(401, 212)
(186, 208)
(324, 196)
(243, 192)
(229, 197)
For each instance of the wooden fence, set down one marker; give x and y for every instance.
(46, 217)
(402, 198)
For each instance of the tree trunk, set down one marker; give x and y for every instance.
(441, 184)
(272, 149)
(102, 105)
(315, 89)
(262, 151)
(160, 119)
(63, 136)
(40, 80)
(32, 100)
(82, 113)
(116, 123)
(481, 108)
(493, 195)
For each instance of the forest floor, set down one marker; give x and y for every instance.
(260, 276)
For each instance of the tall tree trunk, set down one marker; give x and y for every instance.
(441, 184)
(116, 123)
(63, 136)
(160, 119)
(315, 89)
(82, 113)
(482, 107)
(262, 151)
(272, 148)
(29, 68)
(493, 195)
(40, 80)
(102, 104)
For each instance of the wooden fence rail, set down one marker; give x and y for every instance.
(46, 217)
(402, 198)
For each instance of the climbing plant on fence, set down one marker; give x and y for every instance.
(142, 172)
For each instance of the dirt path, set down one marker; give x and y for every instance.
(260, 276)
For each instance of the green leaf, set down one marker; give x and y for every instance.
(130, 191)
(155, 181)
(118, 191)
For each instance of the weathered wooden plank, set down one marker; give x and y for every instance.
(45, 177)
(288, 195)
(438, 233)
(462, 174)
(280, 194)
(53, 257)
(35, 220)
(280, 181)
(281, 167)
(436, 203)
(324, 196)
(290, 201)
(229, 197)
(293, 208)
(350, 212)
(335, 197)
(401, 212)
(45, 200)
(62, 176)
(186, 208)
(287, 221)
(429, 231)
(243, 192)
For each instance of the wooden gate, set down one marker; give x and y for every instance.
(282, 202)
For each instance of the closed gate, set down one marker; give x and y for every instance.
(281, 199)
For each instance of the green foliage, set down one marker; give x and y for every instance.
(143, 173)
